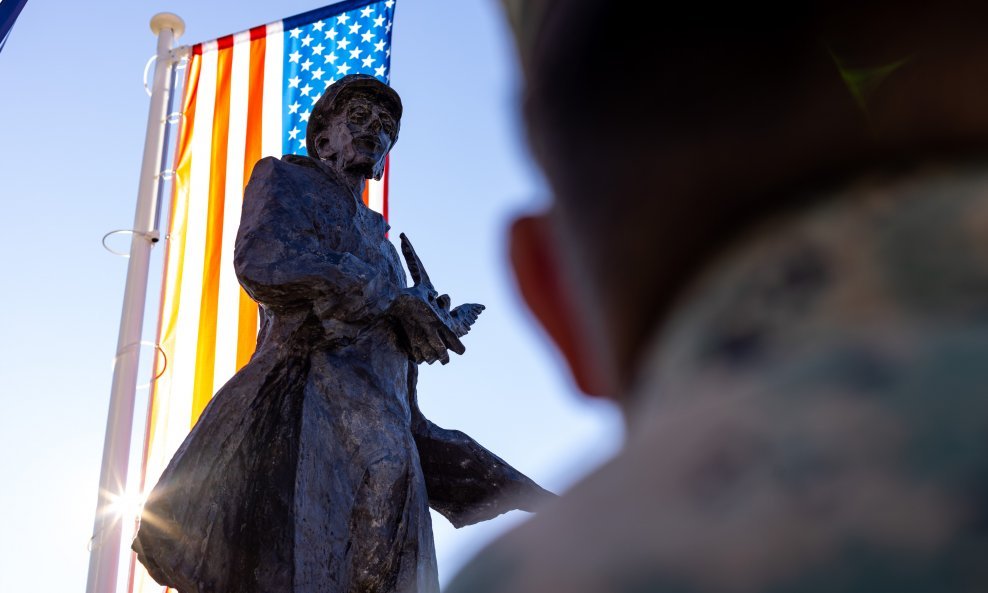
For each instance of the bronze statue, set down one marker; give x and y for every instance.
(313, 469)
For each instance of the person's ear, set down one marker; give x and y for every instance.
(544, 287)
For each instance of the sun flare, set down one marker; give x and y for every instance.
(126, 505)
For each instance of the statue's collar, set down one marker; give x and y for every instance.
(307, 161)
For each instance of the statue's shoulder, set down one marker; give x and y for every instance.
(295, 160)
(290, 165)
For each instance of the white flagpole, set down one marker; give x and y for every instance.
(107, 530)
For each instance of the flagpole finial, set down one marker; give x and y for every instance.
(167, 20)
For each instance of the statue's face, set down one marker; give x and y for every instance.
(358, 137)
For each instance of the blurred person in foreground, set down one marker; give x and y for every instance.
(769, 245)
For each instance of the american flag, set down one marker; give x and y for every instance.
(246, 96)
(320, 52)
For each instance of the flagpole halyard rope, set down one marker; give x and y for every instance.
(153, 237)
(169, 174)
(164, 364)
(147, 68)
(178, 57)
(159, 350)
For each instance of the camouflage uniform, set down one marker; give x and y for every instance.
(813, 419)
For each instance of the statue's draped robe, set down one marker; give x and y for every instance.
(305, 471)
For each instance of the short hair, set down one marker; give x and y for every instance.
(668, 129)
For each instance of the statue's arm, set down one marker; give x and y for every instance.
(466, 482)
(278, 257)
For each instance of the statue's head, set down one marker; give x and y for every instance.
(354, 125)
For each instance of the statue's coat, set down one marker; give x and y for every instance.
(313, 469)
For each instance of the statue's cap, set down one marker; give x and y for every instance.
(341, 89)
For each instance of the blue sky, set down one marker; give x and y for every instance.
(72, 120)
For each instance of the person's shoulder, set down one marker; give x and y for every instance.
(578, 543)
(640, 521)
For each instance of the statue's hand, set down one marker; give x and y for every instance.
(424, 316)
(424, 324)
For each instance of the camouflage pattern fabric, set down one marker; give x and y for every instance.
(813, 419)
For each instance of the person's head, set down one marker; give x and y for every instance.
(354, 125)
(668, 130)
